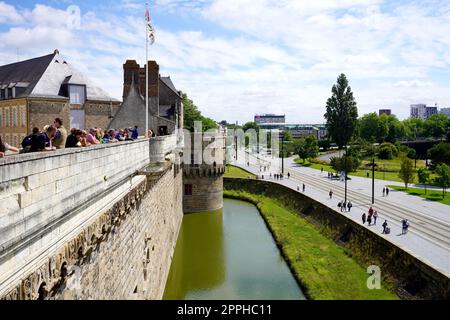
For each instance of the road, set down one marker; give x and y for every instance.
(429, 234)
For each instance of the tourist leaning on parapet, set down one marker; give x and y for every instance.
(134, 132)
(91, 136)
(74, 139)
(43, 141)
(59, 141)
(6, 147)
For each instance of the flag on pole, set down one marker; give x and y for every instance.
(150, 29)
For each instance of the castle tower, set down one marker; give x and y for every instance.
(203, 180)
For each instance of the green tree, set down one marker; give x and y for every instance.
(250, 125)
(342, 112)
(345, 163)
(423, 175)
(324, 144)
(443, 177)
(440, 153)
(414, 128)
(192, 114)
(306, 148)
(406, 172)
(373, 128)
(396, 129)
(436, 125)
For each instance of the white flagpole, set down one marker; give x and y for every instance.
(146, 77)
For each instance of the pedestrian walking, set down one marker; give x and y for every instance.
(405, 226)
(321, 170)
(328, 175)
(289, 175)
(369, 220)
(384, 191)
(331, 194)
(340, 204)
(387, 192)
(304, 187)
(349, 206)
(375, 217)
(370, 211)
(386, 230)
(363, 218)
(344, 206)
(298, 188)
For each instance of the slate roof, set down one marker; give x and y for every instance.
(29, 72)
(168, 82)
(45, 76)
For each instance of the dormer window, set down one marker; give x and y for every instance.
(77, 94)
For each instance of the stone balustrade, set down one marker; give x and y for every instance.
(162, 146)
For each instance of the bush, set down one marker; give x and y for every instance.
(387, 151)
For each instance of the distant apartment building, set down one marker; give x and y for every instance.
(431, 111)
(299, 130)
(387, 112)
(419, 111)
(270, 118)
(445, 111)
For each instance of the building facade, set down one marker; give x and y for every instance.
(422, 111)
(387, 112)
(445, 111)
(270, 118)
(36, 91)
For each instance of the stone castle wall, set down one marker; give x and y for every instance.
(82, 223)
(411, 277)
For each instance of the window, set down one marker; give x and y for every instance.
(188, 189)
(1, 118)
(15, 116)
(7, 115)
(23, 112)
(2, 94)
(77, 94)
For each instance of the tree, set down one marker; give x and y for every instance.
(423, 175)
(306, 148)
(250, 125)
(192, 114)
(443, 177)
(373, 128)
(414, 128)
(406, 171)
(342, 112)
(440, 153)
(345, 163)
(324, 144)
(436, 125)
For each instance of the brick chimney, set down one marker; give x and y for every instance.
(153, 80)
(130, 72)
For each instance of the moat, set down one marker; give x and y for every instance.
(229, 254)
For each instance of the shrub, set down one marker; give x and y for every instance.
(387, 151)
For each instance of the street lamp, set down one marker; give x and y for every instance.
(282, 152)
(373, 165)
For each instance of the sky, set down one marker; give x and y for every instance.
(238, 58)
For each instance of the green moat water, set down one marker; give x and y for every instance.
(227, 255)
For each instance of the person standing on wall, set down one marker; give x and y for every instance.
(331, 194)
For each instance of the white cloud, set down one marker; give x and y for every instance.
(268, 56)
(9, 14)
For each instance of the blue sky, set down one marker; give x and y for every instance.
(236, 58)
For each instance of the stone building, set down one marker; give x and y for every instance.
(165, 101)
(36, 91)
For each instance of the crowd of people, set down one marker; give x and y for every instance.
(56, 136)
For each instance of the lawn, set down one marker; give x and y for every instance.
(432, 195)
(387, 175)
(235, 172)
(319, 264)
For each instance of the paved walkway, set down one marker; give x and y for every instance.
(429, 233)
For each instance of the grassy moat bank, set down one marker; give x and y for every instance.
(324, 269)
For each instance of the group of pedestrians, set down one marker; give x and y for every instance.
(385, 191)
(303, 188)
(372, 215)
(343, 205)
